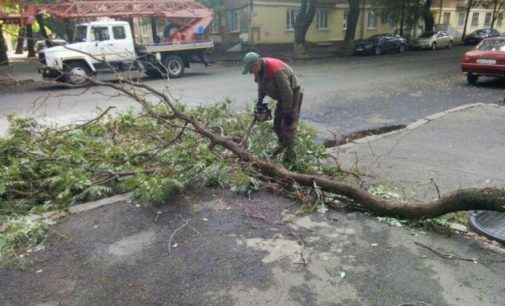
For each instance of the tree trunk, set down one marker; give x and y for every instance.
(302, 24)
(468, 8)
(402, 17)
(69, 30)
(4, 60)
(20, 41)
(352, 22)
(31, 41)
(429, 22)
(42, 29)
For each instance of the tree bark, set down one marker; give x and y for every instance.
(302, 24)
(20, 41)
(468, 8)
(31, 41)
(42, 29)
(352, 22)
(429, 22)
(402, 17)
(4, 60)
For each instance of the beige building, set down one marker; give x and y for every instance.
(450, 16)
(272, 21)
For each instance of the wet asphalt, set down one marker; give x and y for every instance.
(344, 94)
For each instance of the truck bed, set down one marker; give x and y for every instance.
(186, 46)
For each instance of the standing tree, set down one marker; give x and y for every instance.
(352, 22)
(429, 21)
(302, 23)
(4, 60)
(497, 10)
(469, 5)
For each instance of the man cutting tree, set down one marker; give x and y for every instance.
(278, 81)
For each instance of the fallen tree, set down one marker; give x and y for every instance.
(99, 180)
(466, 199)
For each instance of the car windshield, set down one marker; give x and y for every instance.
(80, 33)
(492, 45)
(427, 34)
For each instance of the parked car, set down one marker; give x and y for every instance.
(478, 35)
(381, 43)
(433, 40)
(487, 59)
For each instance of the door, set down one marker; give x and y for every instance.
(122, 48)
(101, 43)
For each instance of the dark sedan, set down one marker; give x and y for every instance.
(487, 59)
(477, 36)
(381, 43)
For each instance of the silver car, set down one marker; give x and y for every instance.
(433, 40)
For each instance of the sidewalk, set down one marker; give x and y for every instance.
(217, 248)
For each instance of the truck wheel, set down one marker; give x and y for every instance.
(77, 73)
(174, 65)
(472, 78)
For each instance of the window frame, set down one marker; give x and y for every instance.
(446, 18)
(372, 25)
(322, 19)
(487, 19)
(123, 32)
(100, 27)
(475, 17)
(234, 21)
(214, 24)
(345, 20)
(291, 14)
(461, 19)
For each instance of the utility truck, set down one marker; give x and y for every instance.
(106, 44)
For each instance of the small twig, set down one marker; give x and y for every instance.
(191, 227)
(454, 257)
(96, 119)
(303, 261)
(173, 234)
(436, 187)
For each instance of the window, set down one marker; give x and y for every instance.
(475, 20)
(118, 32)
(291, 19)
(233, 24)
(346, 17)
(461, 19)
(498, 20)
(80, 33)
(100, 33)
(372, 20)
(214, 24)
(322, 20)
(487, 20)
(447, 18)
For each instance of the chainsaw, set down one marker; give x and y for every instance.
(261, 113)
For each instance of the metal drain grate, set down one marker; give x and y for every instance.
(489, 223)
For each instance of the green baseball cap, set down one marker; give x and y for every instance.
(249, 59)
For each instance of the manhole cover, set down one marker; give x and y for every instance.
(489, 223)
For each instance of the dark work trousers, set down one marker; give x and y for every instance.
(285, 133)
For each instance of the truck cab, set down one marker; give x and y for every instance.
(97, 46)
(107, 46)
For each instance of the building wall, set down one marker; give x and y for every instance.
(267, 22)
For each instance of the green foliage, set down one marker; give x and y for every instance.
(22, 231)
(45, 169)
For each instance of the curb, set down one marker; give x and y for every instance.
(57, 215)
(412, 126)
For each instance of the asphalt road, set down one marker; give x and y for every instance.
(345, 94)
